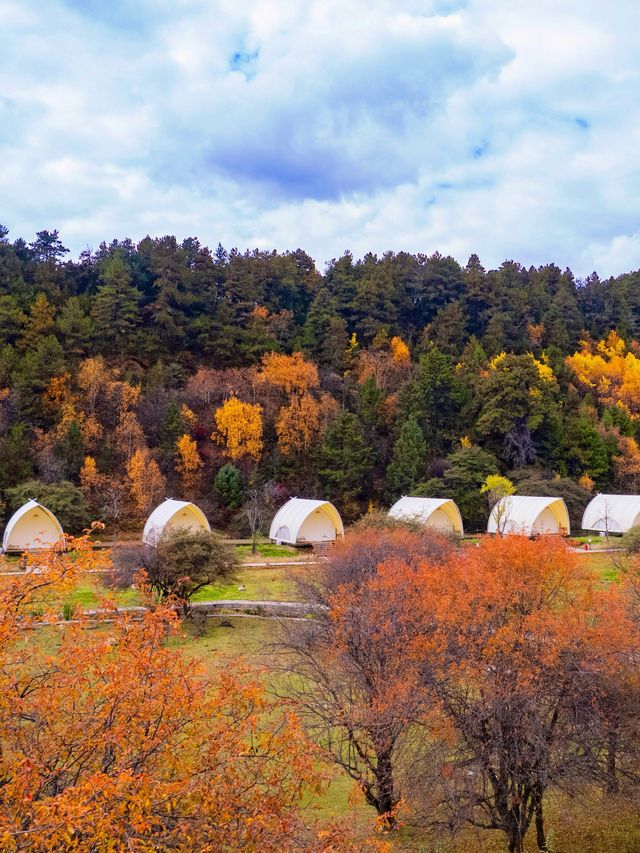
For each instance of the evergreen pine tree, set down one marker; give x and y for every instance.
(115, 307)
(345, 458)
(408, 461)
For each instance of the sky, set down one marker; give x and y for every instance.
(508, 128)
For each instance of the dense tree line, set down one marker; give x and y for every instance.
(161, 368)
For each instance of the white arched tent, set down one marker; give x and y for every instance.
(612, 513)
(440, 513)
(529, 516)
(173, 515)
(306, 522)
(32, 527)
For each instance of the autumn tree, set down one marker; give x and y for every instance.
(344, 669)
(496, 487)
(610, 370)
(116, 739)
(512, 643)
(627, 464)
(301, 423)
(239, 429)
(292, 373)
(188, 461)
(146, 483)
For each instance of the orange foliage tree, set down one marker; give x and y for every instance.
(239, 429)
(290, 372)
(627, 464)
(516, 649)
(497, 668)
(348, 671)
(115, 741)
(301, 421)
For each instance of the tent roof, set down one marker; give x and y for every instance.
(296, 510)
(420, 509)
(523, 511)
(25, 509)
(163, 513)
(613, 513)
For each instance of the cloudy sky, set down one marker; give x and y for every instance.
(510, 128)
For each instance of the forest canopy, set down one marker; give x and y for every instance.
(167, 368)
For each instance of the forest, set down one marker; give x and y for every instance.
(169, 369)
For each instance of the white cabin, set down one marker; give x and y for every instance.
(612, 513)
(529, 516)
(32, 527)
(173, 515)
(306, 522)
(440, 513)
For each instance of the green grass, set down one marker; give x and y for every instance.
(227, 637)
(605, 567)
(89, 592)
(273, 583)
(267, 549)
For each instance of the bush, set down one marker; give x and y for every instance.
(182, 563)
(631, 541)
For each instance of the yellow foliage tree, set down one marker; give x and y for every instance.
(57, 394)
(89, 476)
(299, 424)
(239, 429)
(188, 463)
(627, 464)
(585, 482)
(146, 482)
(399, 350)
(609, 370)
(94, 379)
(188, 416)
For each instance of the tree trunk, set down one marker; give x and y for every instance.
(612, 773)
(540, 834)
(386, 801)
(515, 836)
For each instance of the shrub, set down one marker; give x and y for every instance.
(631, 541)
(182, 563)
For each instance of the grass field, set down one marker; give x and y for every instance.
(271, 583)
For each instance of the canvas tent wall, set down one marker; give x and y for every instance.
(30, 528)
(440, 513)
(529, 516)
(612, 513)
(306, 522)
(173, 515)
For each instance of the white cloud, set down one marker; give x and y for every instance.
(500, 127)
